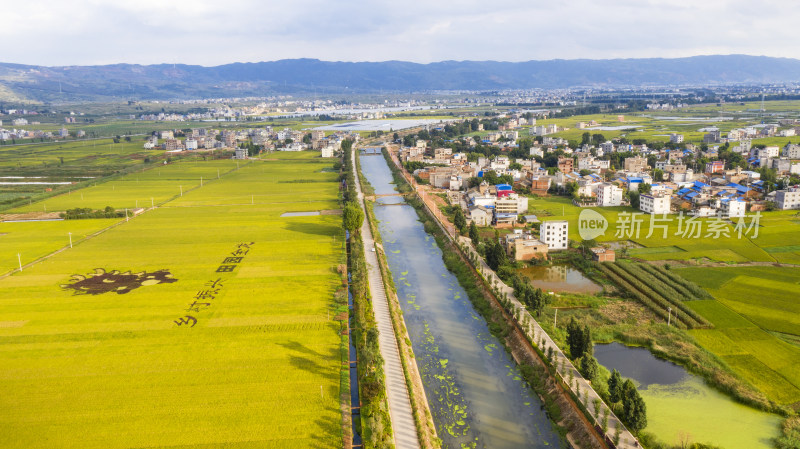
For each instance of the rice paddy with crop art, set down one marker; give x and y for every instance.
(754, 305)
(130, 367)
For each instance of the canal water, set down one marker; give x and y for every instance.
(681, 406)
(477, 396)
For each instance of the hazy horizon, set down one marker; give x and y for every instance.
(209, 33)
(377, 61)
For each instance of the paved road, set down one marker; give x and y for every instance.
(405, 430)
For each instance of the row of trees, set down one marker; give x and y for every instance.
(622, 395)
(79, 213)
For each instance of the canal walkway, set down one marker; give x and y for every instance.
(403, 426)
(564, 367)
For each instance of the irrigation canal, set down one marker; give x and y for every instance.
(476, 393)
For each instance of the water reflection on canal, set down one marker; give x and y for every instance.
(475, 391)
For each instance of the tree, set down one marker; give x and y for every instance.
(634, 410)
(587, 245)
(579, 339)
(495, 254)
(614, 386)
(658, 175)
(589, 367)
(459, 220)
(353, 217)
(633, 197)
(473, 233)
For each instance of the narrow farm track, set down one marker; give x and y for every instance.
(403, 426)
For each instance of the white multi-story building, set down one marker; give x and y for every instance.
(788, 199)
(676, 138)
(327, 151)
(191, 144)
(654, 204)
(733, 208)
(555, 234)
(760, 153)
(608, 195)
(792, 151)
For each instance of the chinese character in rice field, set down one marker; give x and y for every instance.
(207, 294)
(102, 281)
(225, 268)
(186, 320)
(196, 306)
(217, 283)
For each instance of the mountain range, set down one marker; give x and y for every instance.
(178, 81)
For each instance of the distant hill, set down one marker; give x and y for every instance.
(167, 81)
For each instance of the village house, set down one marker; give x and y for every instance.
(555, 234)
(655, 204)
(600, 254)
(524, 246)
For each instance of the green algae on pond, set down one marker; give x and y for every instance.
(680, 405)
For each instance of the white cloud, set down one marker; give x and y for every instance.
(210, 32)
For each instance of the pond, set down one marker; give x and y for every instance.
(680, 405)
(560, 278)
(477, 396)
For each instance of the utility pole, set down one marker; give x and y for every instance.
(669, 315)
(555, 319)
(19, 259)
(70, 239)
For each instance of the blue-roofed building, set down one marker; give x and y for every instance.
(742, 190)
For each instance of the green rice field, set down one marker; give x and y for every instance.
(753, 306)
(206, 322)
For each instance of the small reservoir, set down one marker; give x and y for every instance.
(560, 278)
(681, 406)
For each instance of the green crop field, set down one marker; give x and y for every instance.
(777, 239)
(138, 189)
(751, 303)
(117, 360)
(32, 240)
(754, 305)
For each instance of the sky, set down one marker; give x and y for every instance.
(214, 32)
